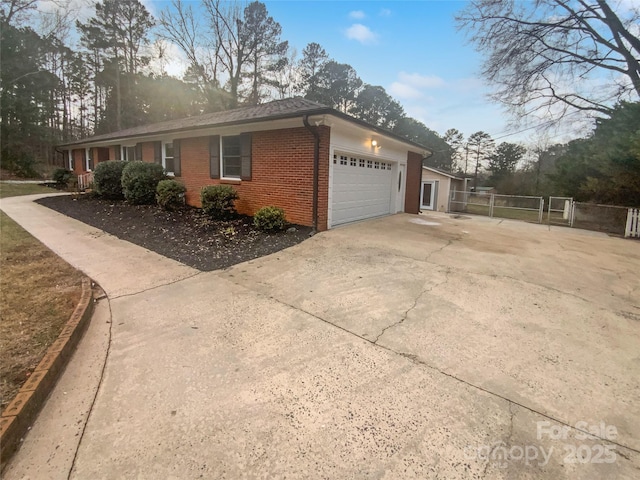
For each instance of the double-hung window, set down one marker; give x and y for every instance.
(168, 157)
(231, 159)
(129, 154)
(88, 159)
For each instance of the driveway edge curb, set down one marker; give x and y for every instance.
(17, 418)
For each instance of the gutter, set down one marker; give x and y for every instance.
(110, 139)
(316, 169)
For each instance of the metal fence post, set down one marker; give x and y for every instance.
(491, 206)
(541, 210)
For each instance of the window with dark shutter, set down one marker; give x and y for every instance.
(130, 154)
(245, 156)
(138, 154)
(177, 164)
(214, 156)
(117, 152)
(157, 152)
(231, 158)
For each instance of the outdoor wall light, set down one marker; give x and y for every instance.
(374, 143)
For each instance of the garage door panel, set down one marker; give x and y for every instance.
(359, 191)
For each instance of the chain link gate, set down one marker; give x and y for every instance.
(561, 211)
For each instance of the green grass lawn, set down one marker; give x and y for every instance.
(502, 212)
(16, 189)
(38, 293)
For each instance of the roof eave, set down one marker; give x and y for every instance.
(89, 140)
(435, 170)
(318, 111)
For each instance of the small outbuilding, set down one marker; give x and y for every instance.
(438, 187)
(323, 167)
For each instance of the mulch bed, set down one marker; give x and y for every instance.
(187, 235)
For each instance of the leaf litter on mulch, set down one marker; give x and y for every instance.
(187, 235)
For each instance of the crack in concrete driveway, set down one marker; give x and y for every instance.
(293, 369)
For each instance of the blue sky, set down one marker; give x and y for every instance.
(411, 48)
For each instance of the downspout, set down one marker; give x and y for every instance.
(316, 170)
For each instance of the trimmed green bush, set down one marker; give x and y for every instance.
(270, 219)
(107, 179)
(170, 194)
(62, 176)
(140, 181)
(218, 201)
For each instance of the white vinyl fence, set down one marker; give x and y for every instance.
(85, 180)
(632, 228)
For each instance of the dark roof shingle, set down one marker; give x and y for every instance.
(279, 109)
(290, 107)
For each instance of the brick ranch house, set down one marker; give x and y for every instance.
(323, 167)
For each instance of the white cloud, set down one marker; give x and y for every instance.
(174, 61)
(357, 14)
(384, 12)
(421, 81)
(413, 85)
(361, 33)
(404, 91)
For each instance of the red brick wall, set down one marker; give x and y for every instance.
(282, 173)
(100, 155)
(79, 163)
(112, 152)
(148, 152)
(414, 178)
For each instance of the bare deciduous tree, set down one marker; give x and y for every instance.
(552, 57)
(181, 26)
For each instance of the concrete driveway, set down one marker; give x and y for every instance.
(405, 347)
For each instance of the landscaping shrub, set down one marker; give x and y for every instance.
(107, 179)
(170, 194)
(218, 201)
(140, 181)
(269, 219)
(62, 176)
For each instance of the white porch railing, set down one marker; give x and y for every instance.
(85, 180)
(633, 223)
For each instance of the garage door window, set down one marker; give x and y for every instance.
(360, 162)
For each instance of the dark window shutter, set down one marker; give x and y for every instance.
(118, 152)
(177, 164)
(245, 156)
(138, 152)
(157, 152)
(214, 156)
(92, 152)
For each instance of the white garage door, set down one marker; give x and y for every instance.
(361, 188)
